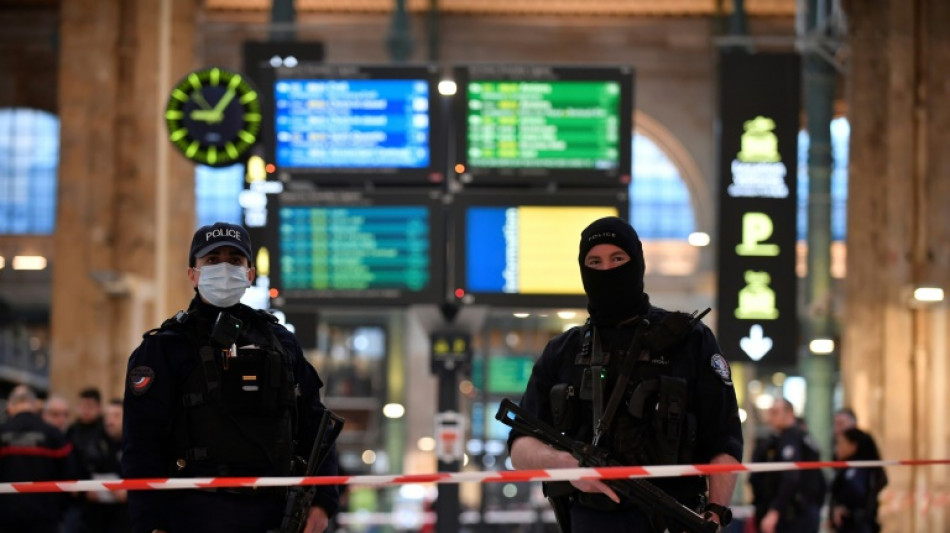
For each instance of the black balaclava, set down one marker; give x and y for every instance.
(616, 294)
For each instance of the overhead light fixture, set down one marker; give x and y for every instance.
(447, 87)
(394, 410)
(699, 238)
(29, 262)
(426, 444)
(928, 294)
(821, 346)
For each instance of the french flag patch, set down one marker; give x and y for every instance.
(140, 380)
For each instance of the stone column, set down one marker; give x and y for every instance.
(126, 200)
(893, 361)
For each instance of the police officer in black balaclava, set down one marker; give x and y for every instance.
(612, 270)
(615, 293)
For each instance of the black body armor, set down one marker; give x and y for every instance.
(238, 404)
(654, 424)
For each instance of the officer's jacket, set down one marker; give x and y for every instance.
(697, 360)
(790, 491)
(90, 446)
(157, 372)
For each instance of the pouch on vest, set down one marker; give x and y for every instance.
(237, 406)
(563, 406)
(659, 430)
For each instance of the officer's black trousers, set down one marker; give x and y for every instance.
(223, 512)
(588, 520)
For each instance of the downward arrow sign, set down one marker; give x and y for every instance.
(755, 345)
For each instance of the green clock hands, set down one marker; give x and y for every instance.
(215, 115)
(216, 135)
(224, 101)
(200, 100)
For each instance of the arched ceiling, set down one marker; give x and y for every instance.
(632, 8)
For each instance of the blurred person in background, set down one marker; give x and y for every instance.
(844, 419)
(106, 511)
(854, 491)
(31, 450)
(56, 412)
(789, 501)
(90, 448)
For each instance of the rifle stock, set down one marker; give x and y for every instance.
(299, 497)
(660, 506)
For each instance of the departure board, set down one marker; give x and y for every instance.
(353, 247)
(352, 123)
(568, 125)
(546, 124)
(355, 124)
(523, 251)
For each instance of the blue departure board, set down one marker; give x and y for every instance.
(384, 248)
(352, 123)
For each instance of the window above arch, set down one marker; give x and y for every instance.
(29, 162)
(840, 137)
(660, 205)
(662, 211)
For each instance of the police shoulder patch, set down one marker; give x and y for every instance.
(788, 452)
(140, 380)
(721, 368)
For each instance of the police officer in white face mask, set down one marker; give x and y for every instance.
(220, 263)
(220, 390)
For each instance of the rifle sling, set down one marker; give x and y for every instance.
(602, 423)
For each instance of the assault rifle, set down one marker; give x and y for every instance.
(299, 497)
(664, 511)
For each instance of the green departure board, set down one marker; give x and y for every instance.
(552, 124)
(509, 375)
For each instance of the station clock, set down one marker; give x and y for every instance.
(213, 116)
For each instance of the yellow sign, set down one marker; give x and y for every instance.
(757, 299)
(547, 247)
(455, 346)
(759, 143)
(756, 227)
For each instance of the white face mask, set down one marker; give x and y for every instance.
(222, 285)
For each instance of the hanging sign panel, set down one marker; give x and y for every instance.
(759, 115)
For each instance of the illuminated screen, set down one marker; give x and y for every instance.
(352, 123)
(359, 251)
(544, 124)
(521, 253)
(509, 375)
(345, 125)
(484, 424)
(532, 124)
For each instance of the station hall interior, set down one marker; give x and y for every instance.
(97, 207)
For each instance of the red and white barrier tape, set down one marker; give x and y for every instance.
(505, 476)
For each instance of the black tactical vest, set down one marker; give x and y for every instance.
(237, 412)
(653, 425)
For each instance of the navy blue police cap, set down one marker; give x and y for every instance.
(213, 236)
